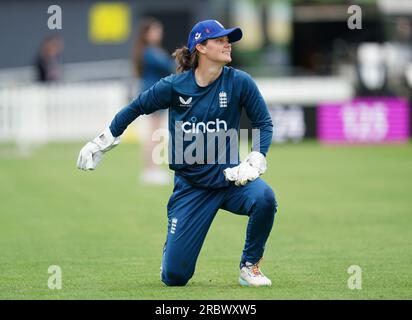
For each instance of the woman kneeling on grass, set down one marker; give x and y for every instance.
(205, 97)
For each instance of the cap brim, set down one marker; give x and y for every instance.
(234, 34)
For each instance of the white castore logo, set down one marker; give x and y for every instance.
(185, 103)
(222, 99)
(198, 35)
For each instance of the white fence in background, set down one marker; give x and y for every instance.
(79, 111)
(59, 112)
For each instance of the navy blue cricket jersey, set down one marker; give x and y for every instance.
(196, 116)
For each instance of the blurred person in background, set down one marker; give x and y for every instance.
(151, 63)
(371, 70)
(48, 66)
(398, 53)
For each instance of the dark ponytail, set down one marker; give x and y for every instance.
(184, 59)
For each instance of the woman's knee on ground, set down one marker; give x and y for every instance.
(175, 278)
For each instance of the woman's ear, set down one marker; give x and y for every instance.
(201, 48)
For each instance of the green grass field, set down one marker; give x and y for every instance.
(338, 206)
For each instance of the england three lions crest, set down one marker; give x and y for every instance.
(222, 99)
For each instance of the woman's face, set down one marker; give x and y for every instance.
(217, 50)
(154, 35)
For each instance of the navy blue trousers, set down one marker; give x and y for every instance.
(191, 211)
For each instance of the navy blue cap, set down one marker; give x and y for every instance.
(210, 29)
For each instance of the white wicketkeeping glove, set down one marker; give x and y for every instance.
(241, 174)
(92, 153)
(249, 170)
(257, 160)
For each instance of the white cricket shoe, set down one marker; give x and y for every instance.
(250, 275)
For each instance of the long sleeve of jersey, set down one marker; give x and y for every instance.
(155, 98)
(257, 111)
